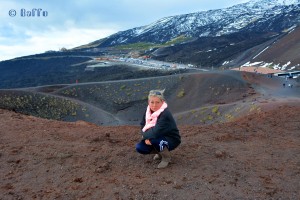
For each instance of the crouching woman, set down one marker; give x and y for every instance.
(159, 130)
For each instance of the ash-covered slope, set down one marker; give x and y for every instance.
(282, 54)
(195, 98)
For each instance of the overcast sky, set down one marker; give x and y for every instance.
(71, 23)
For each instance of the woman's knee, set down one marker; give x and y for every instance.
(143, 148)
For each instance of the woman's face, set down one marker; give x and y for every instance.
(155, 103)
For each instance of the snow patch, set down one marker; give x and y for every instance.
(271, 65)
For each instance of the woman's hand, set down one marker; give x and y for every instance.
(148, 142)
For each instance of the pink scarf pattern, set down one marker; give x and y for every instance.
(151, 119)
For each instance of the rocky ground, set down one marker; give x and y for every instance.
(251, 156)
(254, 157)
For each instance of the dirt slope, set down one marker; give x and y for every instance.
(255, 157)
(253, 154)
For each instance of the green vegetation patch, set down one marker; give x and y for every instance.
(179, 39)
(147, 45)
(181, 93)
(38, 105)
(138, 46)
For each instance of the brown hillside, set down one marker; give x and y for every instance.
(254, 157)
(240, 140)
(283, 51)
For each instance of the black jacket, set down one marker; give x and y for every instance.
(165, 127)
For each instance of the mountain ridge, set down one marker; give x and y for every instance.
(258, 42)
(264, 19)
(212, 22)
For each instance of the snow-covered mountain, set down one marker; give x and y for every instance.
(254, 16)
(263, 33)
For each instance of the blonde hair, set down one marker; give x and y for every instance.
(157, 93)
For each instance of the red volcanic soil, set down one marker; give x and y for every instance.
(254, 156)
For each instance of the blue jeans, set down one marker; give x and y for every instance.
(158, 144)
